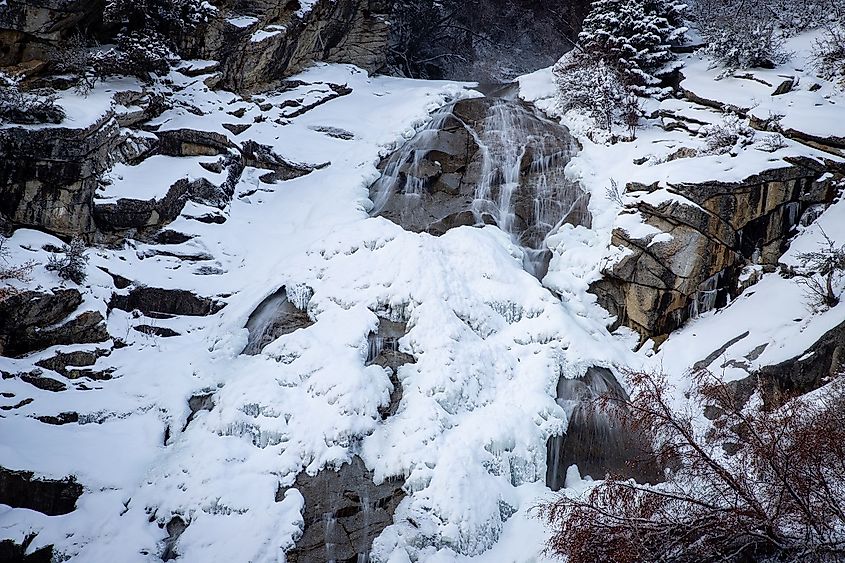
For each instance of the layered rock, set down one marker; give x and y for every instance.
(48, 175)
(29, 28)
(162, 303)
(344, 512)
(483, 161)
(31, 321)
(259, 42)
(716, 229)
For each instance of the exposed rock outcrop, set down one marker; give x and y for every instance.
(660, 283)
(258, 43)
(344, 512)
(274, 317)
(31, 321)
(596, 440)
(48, 175)
(162, 303)
(20, 489)
(383, 350)
(483, 161)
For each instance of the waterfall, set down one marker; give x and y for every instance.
(275, 316)
(330, 523)
(485, 161)
(405, 171)
(595, 440)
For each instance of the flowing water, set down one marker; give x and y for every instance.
(485, 161)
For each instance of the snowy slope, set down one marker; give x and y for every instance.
(490, 343)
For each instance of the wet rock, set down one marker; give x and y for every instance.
(156, 302)
(595, 439)
(31, 321)
(273, 318)
(483, 161)
(20, 489)
(656, 287)
(383, 350)
(344, 512)
(175, 527)
(197, 403)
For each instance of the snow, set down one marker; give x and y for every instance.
(490, 341)
(242, 21)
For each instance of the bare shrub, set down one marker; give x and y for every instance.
(20, 272)
(828, 54)
(823, 270)
(757, 485)
(773, 142)
(18, 106)
(741, 34)
(728, 136)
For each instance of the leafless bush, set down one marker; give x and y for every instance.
(728, 136)
(18, 106)
(20, 272)
(773, 142)
(616, 193)
(828, 54)
(823, 270)
(777, 496)
(741, 34)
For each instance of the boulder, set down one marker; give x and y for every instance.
(126, 213)
(48, 175)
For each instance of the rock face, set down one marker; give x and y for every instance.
(655, 287)
(595, 439)
(32, 321)
(808, 371)
(274, 317)
(48, 176)
(19, 489)
(344, 512)
(163, 303)
(383, 350)
(29, 27)
(482, 160)
(259, 42)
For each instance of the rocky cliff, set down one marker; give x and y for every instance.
(716, 230)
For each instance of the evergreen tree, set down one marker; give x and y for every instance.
(633, 35)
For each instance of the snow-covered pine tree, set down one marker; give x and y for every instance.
(634, 35)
